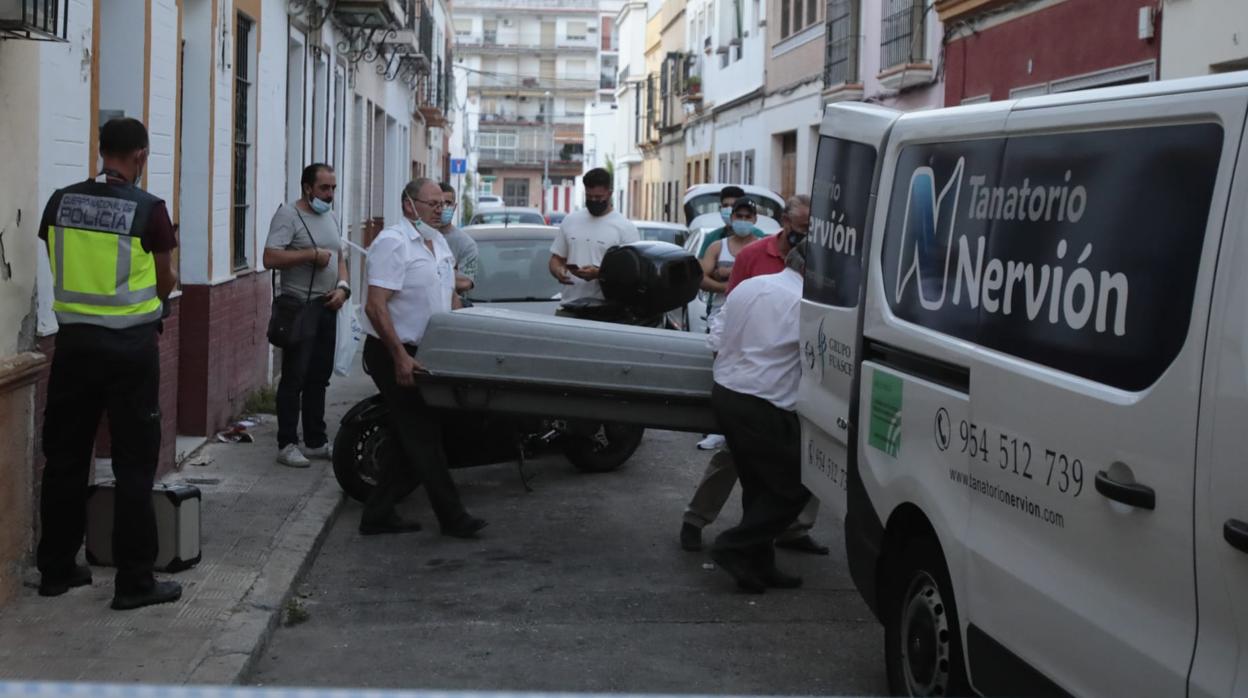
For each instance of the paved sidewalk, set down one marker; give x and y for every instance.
(262, 525)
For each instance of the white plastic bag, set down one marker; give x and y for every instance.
(350, 334)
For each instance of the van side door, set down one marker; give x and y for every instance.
(842, 199)
(1220, 667)
(1091, 289)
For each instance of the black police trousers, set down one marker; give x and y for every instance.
(96, 370)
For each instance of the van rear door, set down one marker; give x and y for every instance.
(1085, 258)
(842, 199)
(1221, 664)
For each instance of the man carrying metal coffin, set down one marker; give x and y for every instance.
(411, 276)
(756, 372)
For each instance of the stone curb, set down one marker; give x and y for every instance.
(230, 655)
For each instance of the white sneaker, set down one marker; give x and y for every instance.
(712, 442)
(323, 452)
(291, 456)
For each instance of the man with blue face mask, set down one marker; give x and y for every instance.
(728, 197)
(304, 243)
(462, 245)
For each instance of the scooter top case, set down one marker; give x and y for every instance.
(522, 363)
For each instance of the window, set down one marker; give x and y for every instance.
(515, 191)
(610, 40)
(796, 15)
(574, 107)
(243, 127)
(463, 26)
(490, 30)
(840, 62)
(748, 167)
(576, 70)
(902, 33)
(577, 31)
(723, 169)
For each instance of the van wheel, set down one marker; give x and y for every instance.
(922, 638)
(606, 449)
(360, 448)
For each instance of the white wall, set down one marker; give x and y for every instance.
(741, 129)
(270, 148)
(1199, 34)
(121, 57)
(61, 149)
(197, 66)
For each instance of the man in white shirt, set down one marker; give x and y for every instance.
(411, 276)
(756, 371)
(585, 236)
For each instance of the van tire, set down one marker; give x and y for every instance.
(360, 447)
(589, 455)
(922, 639)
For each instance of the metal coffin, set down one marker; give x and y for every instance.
(521, 363)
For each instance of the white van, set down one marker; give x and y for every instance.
(1025, 386)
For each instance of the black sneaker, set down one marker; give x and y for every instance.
(776, 579)
(163, 592)
(57, 585)
(690, 537)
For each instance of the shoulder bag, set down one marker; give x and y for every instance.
(287, 316)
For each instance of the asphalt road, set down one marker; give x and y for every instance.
(578, 586)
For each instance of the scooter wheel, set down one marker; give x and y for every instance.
(606, 450)
(360, 449)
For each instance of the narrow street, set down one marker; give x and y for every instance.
(578, 586)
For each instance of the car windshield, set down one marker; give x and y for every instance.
(709, 203)
(676, 237)
(513, 270)
(499, 217)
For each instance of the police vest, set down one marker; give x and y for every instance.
(101, 274)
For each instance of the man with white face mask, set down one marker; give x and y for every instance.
(411, 276)
(304, 243)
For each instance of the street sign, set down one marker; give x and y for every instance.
(459, 165)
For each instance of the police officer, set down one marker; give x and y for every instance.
(110, 246)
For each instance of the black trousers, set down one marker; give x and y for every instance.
(95, 371)
(419, 430)
(765, 442)
(306, 368)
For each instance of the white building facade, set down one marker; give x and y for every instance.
(238, 96)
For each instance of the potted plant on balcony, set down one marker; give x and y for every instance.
(693, 85)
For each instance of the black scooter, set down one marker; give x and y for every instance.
(638, 280)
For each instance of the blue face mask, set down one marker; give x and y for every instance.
(742, 228)
(448, 214)
(319, 206)
(725, 212)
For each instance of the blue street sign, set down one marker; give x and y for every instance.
(459, 166)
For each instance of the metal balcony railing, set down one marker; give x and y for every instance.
(902, 33)
(840, 64)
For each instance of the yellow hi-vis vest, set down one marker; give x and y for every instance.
(101, 274)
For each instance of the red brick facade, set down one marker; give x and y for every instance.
(224, 354)
(1069, 39)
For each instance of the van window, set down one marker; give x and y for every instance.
(1078, 251)
(839, 199)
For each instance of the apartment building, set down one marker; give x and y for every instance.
(527, 71)
(237, 95)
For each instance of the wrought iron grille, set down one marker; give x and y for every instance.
(902, 32)
(840, 64)
(38, 20)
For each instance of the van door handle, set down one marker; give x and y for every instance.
(1133, 494)
(1236, 533)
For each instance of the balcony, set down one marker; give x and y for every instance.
(535, 87)
(950, 10)
(489, 45)
(371, 14)
(903, 55)
(841, 81)
(408, 47)
(36, 20)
